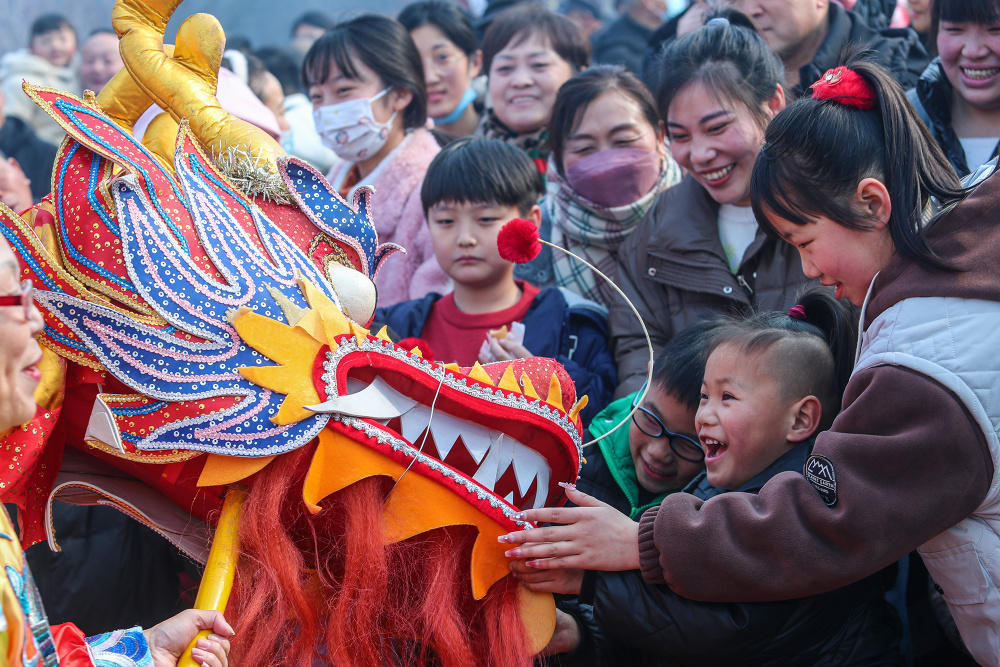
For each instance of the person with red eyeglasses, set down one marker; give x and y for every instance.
(25, 635)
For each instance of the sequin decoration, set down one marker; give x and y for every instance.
(199, 354)
(351, 225)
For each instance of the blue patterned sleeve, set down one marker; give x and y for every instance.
(121, 648)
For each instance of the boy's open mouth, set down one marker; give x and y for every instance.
(714, 449)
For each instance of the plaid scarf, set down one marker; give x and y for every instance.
(594, 232)
(535, 144)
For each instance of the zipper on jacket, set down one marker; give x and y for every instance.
(744, 285)
(605, 451)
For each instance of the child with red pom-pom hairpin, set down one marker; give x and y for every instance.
(473, 187)
(855, 182)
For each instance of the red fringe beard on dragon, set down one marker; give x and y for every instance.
(206, 338)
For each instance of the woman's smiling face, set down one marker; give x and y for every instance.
(524, 78)
(970, 58)
(717, 139)
(20, 353)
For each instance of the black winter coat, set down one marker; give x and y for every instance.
(897, 49)
(674, 270)
(623, 42)
(632, 622)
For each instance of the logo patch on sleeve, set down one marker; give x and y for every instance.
(819, 471)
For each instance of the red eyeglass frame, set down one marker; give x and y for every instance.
(24, 299)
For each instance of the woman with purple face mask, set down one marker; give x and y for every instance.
(608, 165)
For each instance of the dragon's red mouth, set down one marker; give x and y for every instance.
(514, 448)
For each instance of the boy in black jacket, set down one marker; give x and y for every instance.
(771, 383)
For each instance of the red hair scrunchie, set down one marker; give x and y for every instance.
(845, 86)
(797, 312)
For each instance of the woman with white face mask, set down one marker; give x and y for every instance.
(366, 83)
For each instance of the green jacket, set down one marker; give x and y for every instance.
(609, 474)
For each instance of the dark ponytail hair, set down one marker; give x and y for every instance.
(728, 57)
(384, 46)
(817, 151)
(817, 347)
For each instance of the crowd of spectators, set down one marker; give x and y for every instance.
(627, 134)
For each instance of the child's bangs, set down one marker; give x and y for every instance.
(982, 12)
(477, 170)
(771, 186)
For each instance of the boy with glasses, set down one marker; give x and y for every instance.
(657, 454)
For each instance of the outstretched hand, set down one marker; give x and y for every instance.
(167, 640)
(594, 536)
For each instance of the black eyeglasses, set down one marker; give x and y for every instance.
(23, 299)
(683, 446)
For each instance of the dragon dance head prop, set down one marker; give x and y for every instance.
(197, 338)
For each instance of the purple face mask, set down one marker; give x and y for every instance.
(615, 177)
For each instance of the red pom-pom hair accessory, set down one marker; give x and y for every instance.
(518, 242)
(845, 86)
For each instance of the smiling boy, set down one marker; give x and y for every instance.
(472, 188)
(770, 383)
(658, 454)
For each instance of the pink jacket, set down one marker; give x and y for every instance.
(399, 218)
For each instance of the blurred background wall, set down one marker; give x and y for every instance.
(264, 22)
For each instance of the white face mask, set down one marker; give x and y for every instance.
(350, 130)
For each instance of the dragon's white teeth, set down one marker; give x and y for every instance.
(505, 456)
(477, 441)
(446, 430)
(488, 472)
(509, 497)
(414, 422)
(493, 452)
(528, 465)
(542, 492)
